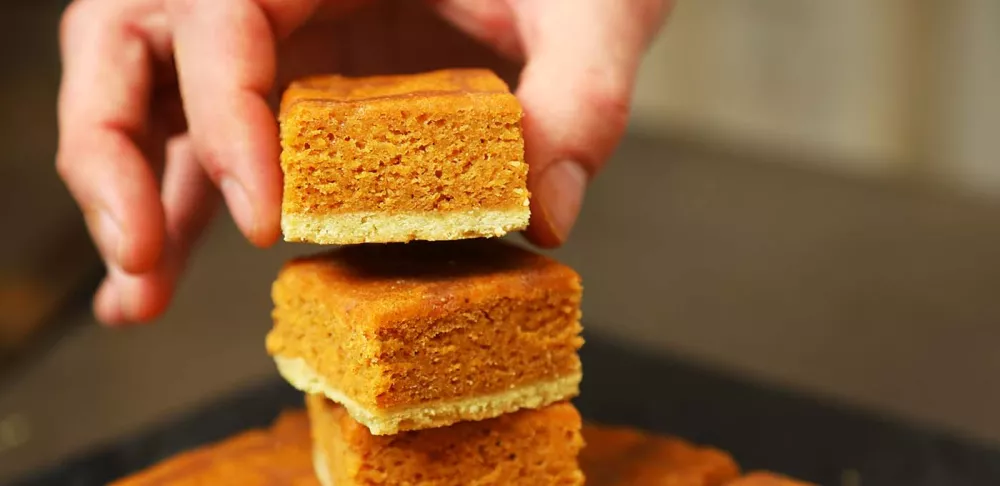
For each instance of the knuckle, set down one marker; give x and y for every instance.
(612, 102)
(210, 162)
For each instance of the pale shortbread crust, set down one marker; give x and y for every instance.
(380, 227)
(301, 376)
(321, 466)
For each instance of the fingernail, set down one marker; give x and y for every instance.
(239, 205)
(560, 191)
(107, 235)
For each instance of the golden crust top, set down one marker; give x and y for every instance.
(436, 144)
(342, 89)
(421, 279)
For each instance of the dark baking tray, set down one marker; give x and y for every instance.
(762, 426)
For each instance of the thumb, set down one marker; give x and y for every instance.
(576, 93)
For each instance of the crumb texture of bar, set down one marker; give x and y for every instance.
(430, 156)
(766, 478)
(419, 335)
(529, 447)
(278, 456)
(619, 456)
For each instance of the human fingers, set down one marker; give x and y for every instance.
(225, 56)
(189, 200)
(102, 112)
(576, 92)
(489, 21)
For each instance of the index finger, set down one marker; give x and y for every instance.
(225, 55)
(103, 108)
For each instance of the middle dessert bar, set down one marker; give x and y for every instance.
(422, 335)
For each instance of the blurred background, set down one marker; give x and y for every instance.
(809, 196)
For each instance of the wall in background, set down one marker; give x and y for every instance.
(966, 121)
(892, 88)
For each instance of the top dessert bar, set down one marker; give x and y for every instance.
(431, 156)
(422, 335)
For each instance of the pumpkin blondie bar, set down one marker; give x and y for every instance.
(421, 335)
(528, 447)
(765, 478)
(617, 456)
(280, 455)
(430, 156)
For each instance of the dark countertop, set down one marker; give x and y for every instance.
(875, 295)
(762, 426)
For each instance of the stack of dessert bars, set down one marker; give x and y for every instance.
(430, 351)
(429, 354)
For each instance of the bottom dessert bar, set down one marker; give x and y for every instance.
(613, 456)
(622, 456)
(763, 478)
(278, 456)
(528, 447)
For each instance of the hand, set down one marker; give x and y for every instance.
(166, 103)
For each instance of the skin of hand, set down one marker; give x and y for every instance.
(166, 107)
